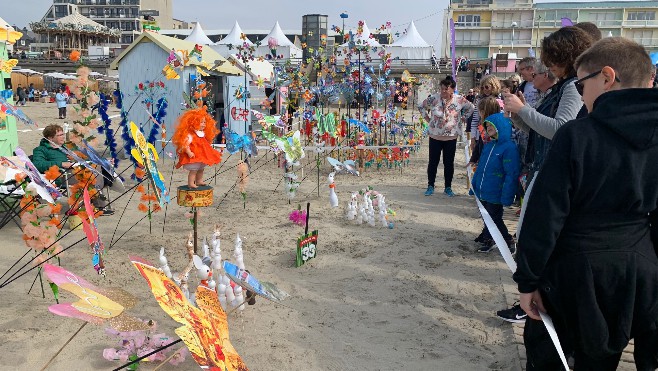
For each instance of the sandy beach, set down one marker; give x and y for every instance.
(414, 297)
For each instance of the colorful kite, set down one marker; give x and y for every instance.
(250, 283)
(147, 156)
(91, 230)
(95, 305)
(204, 330)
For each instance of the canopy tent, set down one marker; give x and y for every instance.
(411, 46)
(285, 47)
(75, 32)
(26, 72)
(197, 36)
(58, 75)
(226, 46)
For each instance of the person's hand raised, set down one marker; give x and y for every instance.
(512, 103)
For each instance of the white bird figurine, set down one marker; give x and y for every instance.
(163, 263)
(333, 198)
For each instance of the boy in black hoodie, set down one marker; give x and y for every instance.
(587, 246)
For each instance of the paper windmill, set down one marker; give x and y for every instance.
(146, 155)
(204, 330)
(99, 160)
(44, 188)
(292, 147)
(95, 305)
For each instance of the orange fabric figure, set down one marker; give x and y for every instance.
(193, 137)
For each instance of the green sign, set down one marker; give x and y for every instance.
(306, 248)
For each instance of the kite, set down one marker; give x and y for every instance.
(95, 305)
(250, 283)
(147, 156)
(204, 330)
(236, 142)
(91, 230)
(44, 188)
(292, 147)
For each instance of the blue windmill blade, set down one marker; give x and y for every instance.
(360, 125)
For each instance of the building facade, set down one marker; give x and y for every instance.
(125, 15)
(486, 27)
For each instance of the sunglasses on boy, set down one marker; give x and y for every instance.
(579, 83)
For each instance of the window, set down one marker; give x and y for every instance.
(468, 20)
(468, 38)
(642, 16)
(642, 37)
(604, 18)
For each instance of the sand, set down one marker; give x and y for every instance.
(414, 297)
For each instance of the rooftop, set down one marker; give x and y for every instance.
(598, 4)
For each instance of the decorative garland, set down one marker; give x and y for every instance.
(129, 142)
(107, 130)
(160, 113)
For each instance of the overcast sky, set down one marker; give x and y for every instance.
(261, 14)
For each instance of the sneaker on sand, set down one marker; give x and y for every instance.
(512, 246)
(487, 246)
(514, 314)
(449, 192)
(430, 191)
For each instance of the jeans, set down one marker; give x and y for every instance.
(496, 213)
(448, 147)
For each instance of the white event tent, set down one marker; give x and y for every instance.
(197, 36)
(411, 46)
(226, 46)
(285, 46)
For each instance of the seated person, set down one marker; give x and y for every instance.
(44, 93)
(48, 153)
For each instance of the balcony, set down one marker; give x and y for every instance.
(647, 42)
(517, 42)
(641, 24)
(606, 23)
(508, 24)
(472, 24)
(461, 43)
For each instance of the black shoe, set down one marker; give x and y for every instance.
(107, 211)
(511, 244)
(487, 246)
(514, 314)
(479, 238)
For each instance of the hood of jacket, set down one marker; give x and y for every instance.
(503, 126)
(630, 113)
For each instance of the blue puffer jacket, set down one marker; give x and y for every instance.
(496, 177)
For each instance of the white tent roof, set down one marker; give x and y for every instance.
(411, 39)
(364, 38)
(278, 34)
(5, 25)
(233, 37)
(198, 36)
(59, 75)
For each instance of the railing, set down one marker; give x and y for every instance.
(519, 42)
(508, 24)
(606, 23)
(472, 42)
(472, 24)
(642, 23)
(645, 41)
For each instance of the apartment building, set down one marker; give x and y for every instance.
(125, 15)
(486, 27)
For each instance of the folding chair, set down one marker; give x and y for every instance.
(10, 197)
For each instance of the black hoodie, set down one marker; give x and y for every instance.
(586, 240)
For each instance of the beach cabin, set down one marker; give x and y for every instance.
(142, 63)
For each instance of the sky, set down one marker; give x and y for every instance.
(261, 14)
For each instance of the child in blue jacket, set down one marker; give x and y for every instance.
(496, 177)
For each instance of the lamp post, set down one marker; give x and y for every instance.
(513, 27)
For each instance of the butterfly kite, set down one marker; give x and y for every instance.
(236, 142)
(249, 282)
(347, 166)
(205, 327)
(147, 156)
(170, 73)
(91, 230)
(44, 188)
(11, 110)
(7, 65)
(95, 305)
(292, 147)
(99, 160)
